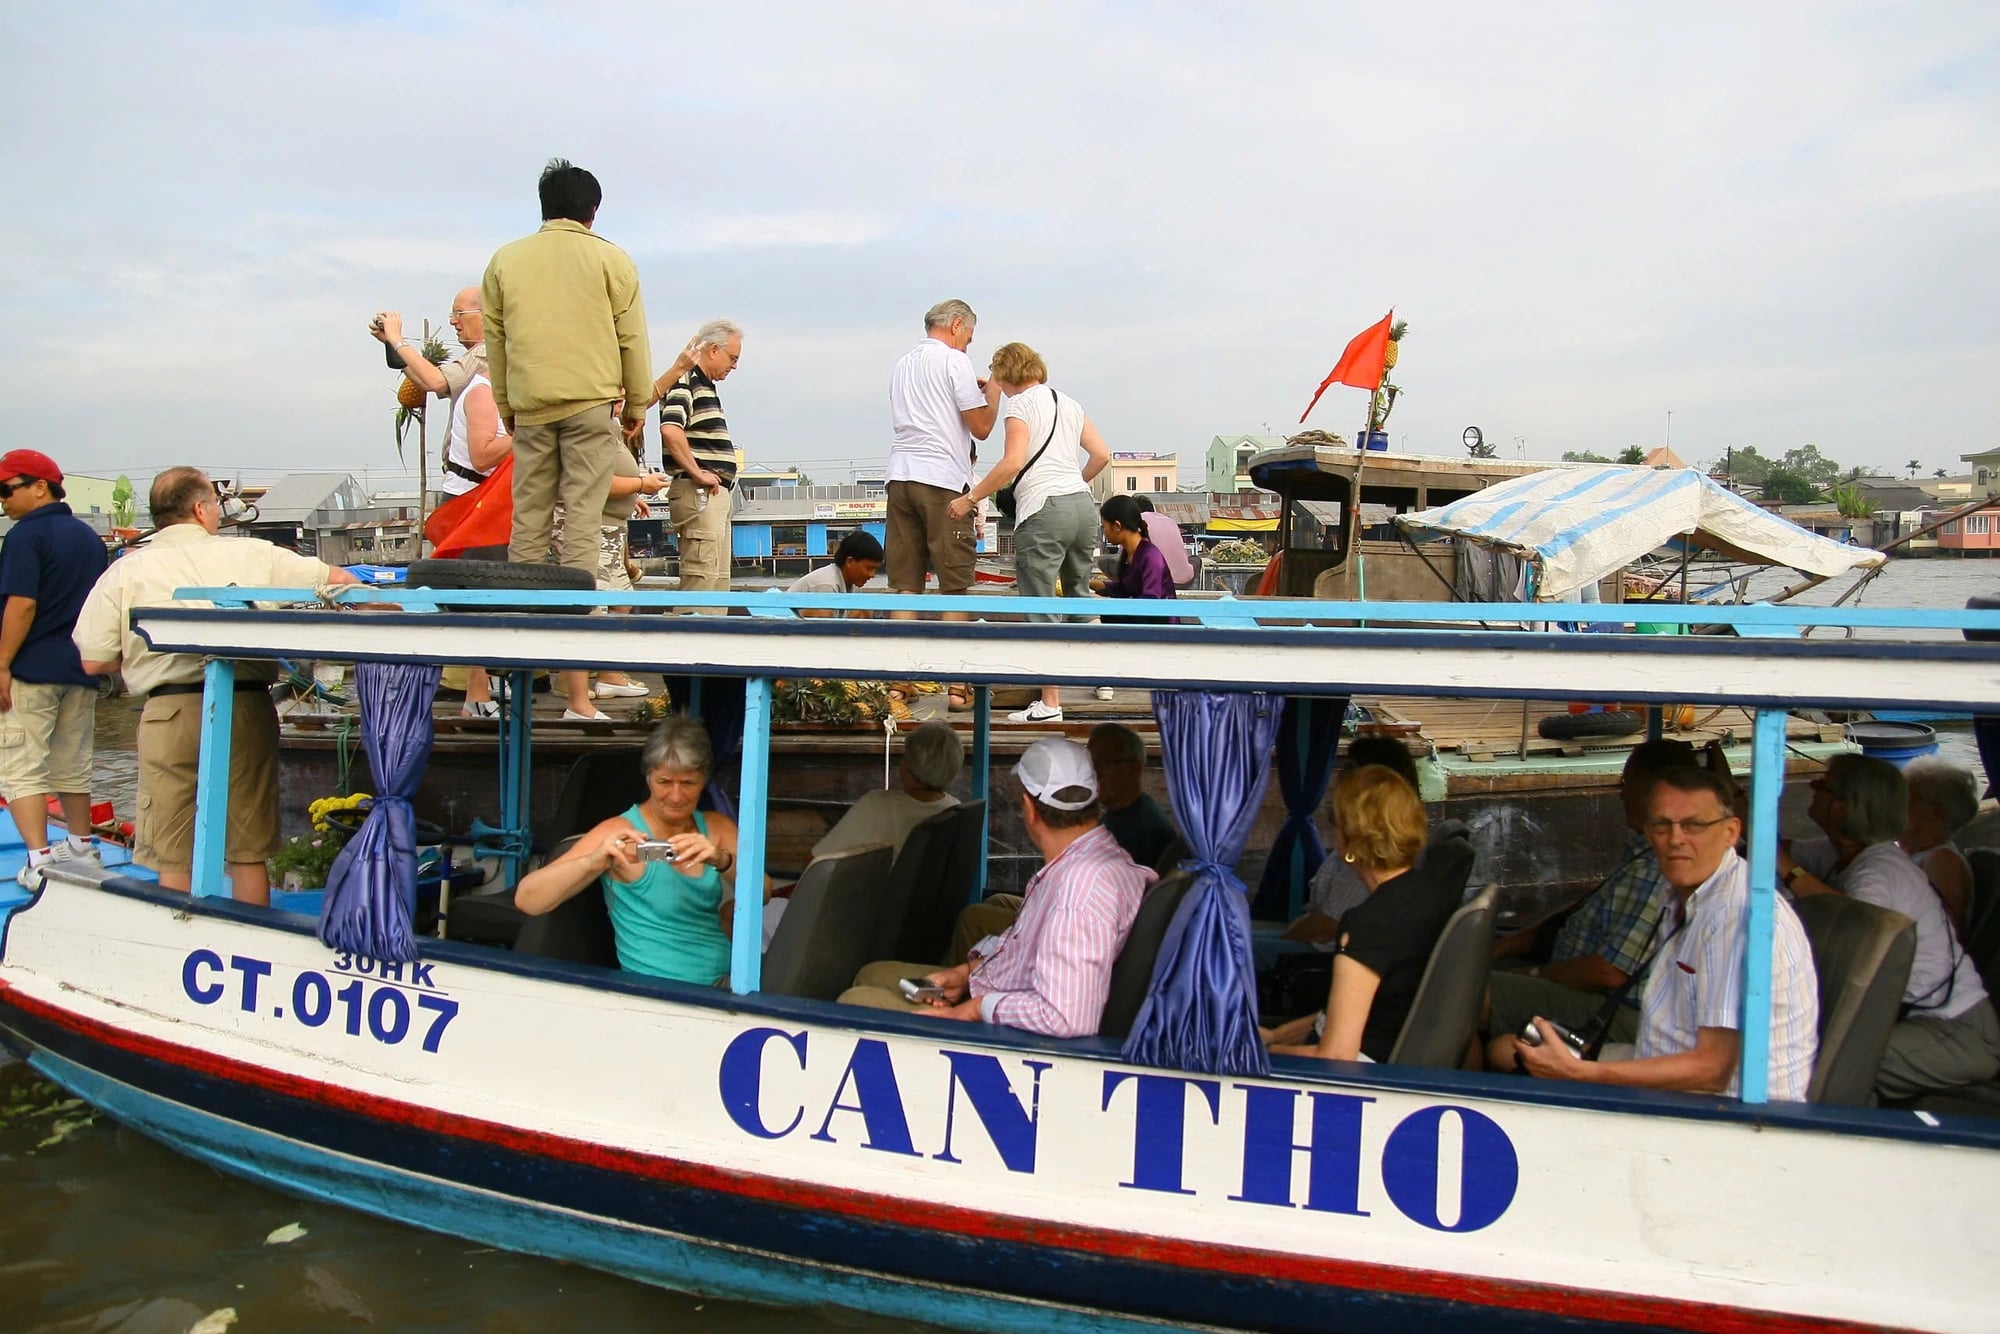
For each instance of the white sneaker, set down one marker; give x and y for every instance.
(479, 708)
(630, 690)
(1106, 693)
(1037, 712)
(29, 877)
(87, 852)
(572, 716)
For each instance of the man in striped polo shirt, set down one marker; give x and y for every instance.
(697, 453)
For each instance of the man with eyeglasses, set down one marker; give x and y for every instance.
(1691, 1020)
(1611, 933)
(48, 702)
(186, 551)
(468, 321)
(697, 453)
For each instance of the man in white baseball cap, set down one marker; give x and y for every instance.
(1050, 971)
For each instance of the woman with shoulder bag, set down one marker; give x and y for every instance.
(1042, 482)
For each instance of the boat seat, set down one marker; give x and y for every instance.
(823, 939)
(919, 868)
(1445, 1010)
(1132, 971)
(942, 894)
(1982, 917)
(484, 917)
(577, 930)
(1173, 855)
(1862, 954)
(602, 783)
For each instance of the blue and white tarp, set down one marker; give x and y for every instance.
(1577, 525)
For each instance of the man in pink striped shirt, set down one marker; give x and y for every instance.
(1049, 972)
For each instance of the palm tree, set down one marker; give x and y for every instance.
(1914, 467)
(1941, 473)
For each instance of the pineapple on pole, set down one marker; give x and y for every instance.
(412, 405)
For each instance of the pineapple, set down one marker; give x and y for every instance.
(1396, 332)
(409, 393)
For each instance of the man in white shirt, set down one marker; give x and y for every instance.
(1949, 1034)
(1691, 1021)
(939, 406)
(854, 563)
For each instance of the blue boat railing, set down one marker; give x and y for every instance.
(1277, 618)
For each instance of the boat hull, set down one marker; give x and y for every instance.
(955, 1175)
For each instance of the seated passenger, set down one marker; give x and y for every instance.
(1691, 1022)
(932, 758)
(1943, 800)
(1385, 942)
(1051, 970)
(854, 563)
(1611, 933)
(1949, 1034)
(1334, 888)
(1118, 754)
(670, 915)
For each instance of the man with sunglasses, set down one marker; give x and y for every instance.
(1691, 1020)
(48, 702)
(186, 550)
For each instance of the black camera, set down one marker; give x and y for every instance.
(1531, 1036)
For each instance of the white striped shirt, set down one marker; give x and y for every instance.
(1696, 982)
(1051, 970)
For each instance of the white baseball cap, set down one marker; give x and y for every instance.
(1047, 767)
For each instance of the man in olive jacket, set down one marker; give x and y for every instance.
(565, 340)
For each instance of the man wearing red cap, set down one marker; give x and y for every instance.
(48, 703)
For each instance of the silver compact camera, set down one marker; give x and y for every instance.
(1531, 1036)
(656, 850)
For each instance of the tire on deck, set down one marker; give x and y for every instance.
(500, 574)
(1577, 726)
(1983, 604)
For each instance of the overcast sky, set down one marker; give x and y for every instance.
(1776, 221)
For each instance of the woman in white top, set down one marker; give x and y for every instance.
(475, 444)
(1943, 800)
(1055, 517)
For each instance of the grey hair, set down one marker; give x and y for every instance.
(716, 333)
(934, 755)
(944, 312)
(680, 742)
(1877, 798)
(1951, 788)
(1120, 743)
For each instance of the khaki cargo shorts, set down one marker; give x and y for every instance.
(923, 535)
(169, 757)
(47, 739)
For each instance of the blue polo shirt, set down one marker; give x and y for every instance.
(53, 557)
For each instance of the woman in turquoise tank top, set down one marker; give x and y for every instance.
(670, 907)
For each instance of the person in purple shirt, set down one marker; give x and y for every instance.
(1142, 568)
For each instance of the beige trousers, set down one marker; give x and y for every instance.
(704, 535)
(568, 462)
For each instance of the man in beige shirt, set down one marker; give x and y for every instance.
(186, 552)
(565, 339)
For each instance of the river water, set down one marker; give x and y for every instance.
(102, 1230)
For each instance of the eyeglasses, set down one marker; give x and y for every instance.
(1662, 828)
(457, 313)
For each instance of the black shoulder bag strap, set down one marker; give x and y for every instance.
(1055, 418)
(1599, 1027)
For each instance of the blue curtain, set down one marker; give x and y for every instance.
(721, 712)
(1201, 1010)
(1987, 729)
(371, 890)
(1308, 740)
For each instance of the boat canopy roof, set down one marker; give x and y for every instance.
(1576, 525)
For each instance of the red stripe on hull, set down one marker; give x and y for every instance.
(1356, 1275)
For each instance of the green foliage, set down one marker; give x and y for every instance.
(1812, 465)
(1941, 473)
(311, 855)
(1239, 551)
(1852, 501)
(124, 505)
(1632, 454)
(1747, 467)
(1583, 456)
(836, 702)
(1788, 487)
(1915, 466)
(1483, 450)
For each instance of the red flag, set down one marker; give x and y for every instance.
(482, 517)
(1362, 365)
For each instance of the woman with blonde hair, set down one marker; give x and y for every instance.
(1379, 828)
(1055, 519)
